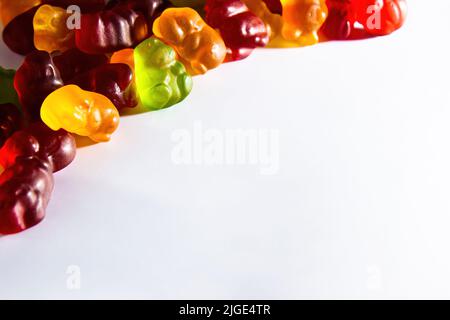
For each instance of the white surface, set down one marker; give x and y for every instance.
(359, 208)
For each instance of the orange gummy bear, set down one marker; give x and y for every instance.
(199, 46)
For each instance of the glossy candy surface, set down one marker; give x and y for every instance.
(115, 81)
(36, 78)
(7, 92)
(30, 157)
(10, 121)
(241, 30)
(161, 80)
(377, 17)
(50, 29)
(302, 20)
(81, 112)
(111, 30)
(199, 46)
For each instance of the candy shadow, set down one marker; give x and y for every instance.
(139, 109)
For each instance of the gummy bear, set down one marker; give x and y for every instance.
(114, 81)
(161, 80)
(377, 17)
(199, 46)
(74, 62)
(57, 147)
(241, 30)
(30, 157)
(8, 93)
(35, 79)
(111, 30)
(81, 112)
(124, 56)
(272, 20)
(9, 9)
(50, 29)
(25, 191)
(18, 35)
(10, 121)
(302, 20)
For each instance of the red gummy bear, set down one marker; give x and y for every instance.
(377, 17)
(241, 30)
(30, 157)
(74, 62)
(113, 80)
(18, 34)
(111, 30)
(35, 79)
(26, 188)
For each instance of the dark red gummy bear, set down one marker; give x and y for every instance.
(30, 157)
(57, 147)
(18, 34)
(74, 62)
(35, 79)
(241, 30)
(10, 121)
(25, 191)
(111, 30)
(114, 80)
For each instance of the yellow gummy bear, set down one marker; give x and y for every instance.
(302, 20)
(50, 29)
(81, 112)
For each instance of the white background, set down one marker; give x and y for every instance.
(360, 206)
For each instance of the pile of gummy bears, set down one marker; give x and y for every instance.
(78, 75)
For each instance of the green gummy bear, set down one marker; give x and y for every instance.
(7, 92)
(161, 79)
